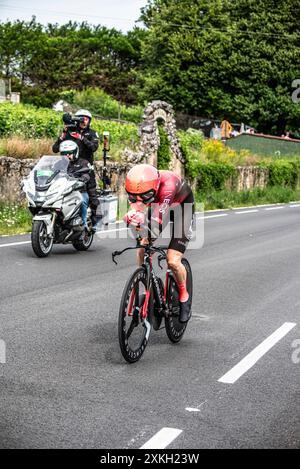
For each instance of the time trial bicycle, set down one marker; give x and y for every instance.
(147, 301)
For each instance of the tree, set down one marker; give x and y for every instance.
(224, 59)
(18, 40)
(44, 61)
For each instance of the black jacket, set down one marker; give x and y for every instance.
(87, 146)
(77, 165)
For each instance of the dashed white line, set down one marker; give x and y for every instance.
(201, 216)
(14, 244)
(98, 233)
(244, 365)
(216, 216)
(192, 409)
(246, 211)
(162, 439)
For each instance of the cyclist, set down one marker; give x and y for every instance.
(168, 198)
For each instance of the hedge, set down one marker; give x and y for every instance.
(213, 176)
(31, 122)
(163, 152)
(284, 173)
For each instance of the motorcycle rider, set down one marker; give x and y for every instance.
(88, 141)
(70, 149)
(164, 193)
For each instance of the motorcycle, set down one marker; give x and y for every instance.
(55, 201)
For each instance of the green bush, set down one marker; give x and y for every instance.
(163, 152)
(29, 122)
(213, 176)
(284, 173)
(191, 143)
(102, 104)
(39, 97)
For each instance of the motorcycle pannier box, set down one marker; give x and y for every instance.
(108, 208)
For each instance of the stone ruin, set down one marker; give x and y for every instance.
(150, 141)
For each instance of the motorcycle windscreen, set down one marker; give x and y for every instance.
(49, 168)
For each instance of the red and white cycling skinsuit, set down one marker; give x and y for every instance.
(174, 201)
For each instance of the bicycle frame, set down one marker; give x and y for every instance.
(146, 302)
(150, 250)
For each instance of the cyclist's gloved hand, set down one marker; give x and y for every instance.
(134, 218)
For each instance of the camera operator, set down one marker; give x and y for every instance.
(78, 130)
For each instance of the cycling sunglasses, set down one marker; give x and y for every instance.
(146, 198)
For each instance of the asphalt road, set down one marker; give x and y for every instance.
(64, 383)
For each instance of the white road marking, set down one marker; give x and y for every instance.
(244, 365)
(216, 216)
(196, 409)
(201, 216)
(14, 244)
(110, 231)
(246, 211)
(98, 233)
(162, 439)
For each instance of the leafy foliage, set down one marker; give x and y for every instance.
(213, 176)
(284, 173)
(163, 153)
(44, 61)
(230, 199)
(233, 59)
(191, 143)
(198, 151)
(100, 103)
(29, 122)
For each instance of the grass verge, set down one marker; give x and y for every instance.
(227, 199)
(14, 219)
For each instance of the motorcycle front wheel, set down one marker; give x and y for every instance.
(41, 243)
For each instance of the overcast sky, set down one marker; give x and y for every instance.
(120, 14)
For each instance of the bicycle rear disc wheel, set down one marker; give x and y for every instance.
(133, 330)
(174, 328)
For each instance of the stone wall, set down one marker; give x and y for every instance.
(12, 171)
(248, 178)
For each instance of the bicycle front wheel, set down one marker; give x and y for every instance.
(134, 331)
